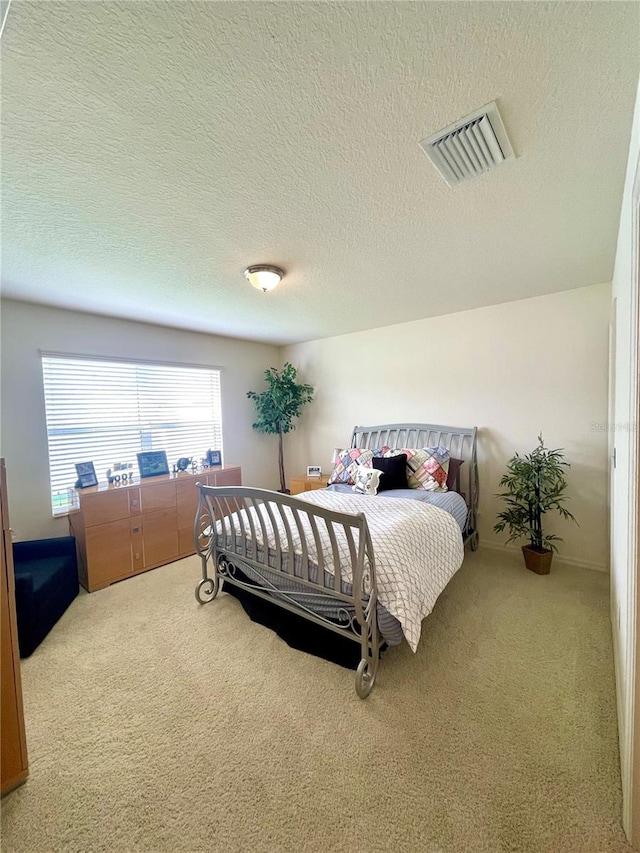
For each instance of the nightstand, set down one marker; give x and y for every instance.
(307, 484)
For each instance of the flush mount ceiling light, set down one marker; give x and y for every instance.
(263, 277)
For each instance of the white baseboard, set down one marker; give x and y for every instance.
(557, 558)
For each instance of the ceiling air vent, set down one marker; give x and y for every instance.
(470, 147)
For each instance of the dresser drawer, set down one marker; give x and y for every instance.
(105, 506)
(155, 496)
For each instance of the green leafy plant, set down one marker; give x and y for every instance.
(279, 405)
(535, 485)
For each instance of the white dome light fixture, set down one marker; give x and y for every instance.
(263, 277)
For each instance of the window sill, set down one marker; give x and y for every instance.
(61, 513)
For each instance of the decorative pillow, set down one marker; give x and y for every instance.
(367, 480)
(430, 467)
(427, 467)
(394, 470)
(452, 476)
(346, 464)
(379, 452)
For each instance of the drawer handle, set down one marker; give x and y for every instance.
(137, 556)
(134, 503)
(135, 529)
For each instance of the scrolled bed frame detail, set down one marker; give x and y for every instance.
(236, 546)
(231, 532)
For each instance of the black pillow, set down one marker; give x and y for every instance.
(394, 472)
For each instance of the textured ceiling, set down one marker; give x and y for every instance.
(153, 150)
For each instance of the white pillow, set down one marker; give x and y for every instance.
(367, 480)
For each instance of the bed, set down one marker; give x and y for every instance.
(368, 568)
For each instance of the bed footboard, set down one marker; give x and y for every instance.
(292, 553)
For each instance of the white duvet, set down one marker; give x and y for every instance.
(417, 548)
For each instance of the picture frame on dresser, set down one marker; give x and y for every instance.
(86, 475)
(214, 458)
(153, 463)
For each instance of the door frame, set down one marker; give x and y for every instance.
(631, 746)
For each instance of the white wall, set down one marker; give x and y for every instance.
(623, 579)
(512, 370)
(27, 329)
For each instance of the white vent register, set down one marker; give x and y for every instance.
(470, 147)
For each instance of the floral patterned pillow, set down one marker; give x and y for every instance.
(346, 464)
(427, 467)
(367, 480)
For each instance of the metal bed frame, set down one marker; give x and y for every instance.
(461, 442)
(229, 518)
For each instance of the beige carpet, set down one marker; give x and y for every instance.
(155, 724)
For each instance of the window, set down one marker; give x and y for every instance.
(107, 411)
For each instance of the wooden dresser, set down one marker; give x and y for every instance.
(124, 529)
(307, 484)
(13, 755)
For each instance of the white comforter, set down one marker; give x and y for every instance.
(417, 548)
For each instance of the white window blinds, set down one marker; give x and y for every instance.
(107, 411)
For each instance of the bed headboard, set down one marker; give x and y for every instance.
(461, 442)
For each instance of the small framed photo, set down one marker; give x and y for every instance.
(314, 471)
(153, 463)
(214, 457)
(86, 475)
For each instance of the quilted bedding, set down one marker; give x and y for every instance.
(418, 548)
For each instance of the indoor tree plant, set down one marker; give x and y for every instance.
(535, 485)
(279, 405)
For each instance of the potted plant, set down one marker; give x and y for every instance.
(535, 485)
(278, 406)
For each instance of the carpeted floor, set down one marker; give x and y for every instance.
(155, 724)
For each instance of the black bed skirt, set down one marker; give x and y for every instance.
(296, 631)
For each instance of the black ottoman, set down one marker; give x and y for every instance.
(46, 573)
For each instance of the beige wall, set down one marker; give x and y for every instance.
(512, 370)
(624, 580)
(27, 329)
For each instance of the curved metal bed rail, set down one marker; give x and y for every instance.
(461, 442)
(317, 551)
